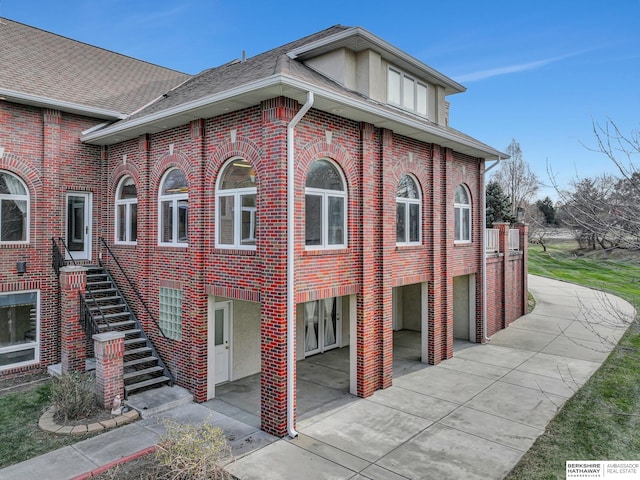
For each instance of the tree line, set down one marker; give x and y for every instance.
(602, 212)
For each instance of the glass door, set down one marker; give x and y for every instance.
(322, 325)
(78, 235)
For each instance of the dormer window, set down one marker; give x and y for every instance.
(406, 92)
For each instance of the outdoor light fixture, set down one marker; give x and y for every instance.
(21, 266)
(520, 215)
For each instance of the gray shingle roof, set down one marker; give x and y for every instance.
(233, 74)
(43, 64)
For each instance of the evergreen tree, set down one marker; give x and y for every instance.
(498, 205)
(548, 210)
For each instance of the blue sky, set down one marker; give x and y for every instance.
(540, 72)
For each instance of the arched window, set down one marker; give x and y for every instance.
(236, 206)
(462, 214)
(14, 209)
(408, 212)
(325, 207)
(126, 211)
(173, 209)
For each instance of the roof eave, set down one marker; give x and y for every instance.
(279, 84)
(69, 107)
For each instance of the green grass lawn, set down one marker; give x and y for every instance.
(20, 436)
(602, 420)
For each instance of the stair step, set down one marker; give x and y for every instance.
(106, 281)
(137, 351)
(113, 315)
(103, 290)
(139, 373)
(146, 383)
(107, 307)
(116, 324)
(139, 361)
(133, 331)
(106, 299)
(133, 341)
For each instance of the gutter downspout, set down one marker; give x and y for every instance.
(291, 343)
(484, 254)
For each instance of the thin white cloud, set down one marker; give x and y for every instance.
(520, 67)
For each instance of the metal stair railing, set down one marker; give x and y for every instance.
(133, 316)
(58, 259)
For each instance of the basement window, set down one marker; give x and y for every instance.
(19, 329)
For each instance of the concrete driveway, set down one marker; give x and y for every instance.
(472, 416)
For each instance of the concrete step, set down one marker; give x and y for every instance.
(159, 400)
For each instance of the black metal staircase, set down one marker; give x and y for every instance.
(105, 309)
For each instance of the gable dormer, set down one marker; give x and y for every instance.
(362, 62)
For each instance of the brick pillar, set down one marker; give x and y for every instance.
(524, 247)
(276, 114)
(109, 350)
(370, 344)
(503, 249)
(73, 281)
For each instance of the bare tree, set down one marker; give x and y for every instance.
(516, 178)
(604, 211)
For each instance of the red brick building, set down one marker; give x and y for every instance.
(311, 197)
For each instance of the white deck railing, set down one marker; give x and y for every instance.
(491, 240)
(514, 239)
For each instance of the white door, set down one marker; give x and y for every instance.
(219, 343)
(78, 235)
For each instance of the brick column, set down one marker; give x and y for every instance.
(109, 350)
(370, 344)
(73, 281)
(524, 247)
(272, 249)
(503, 249)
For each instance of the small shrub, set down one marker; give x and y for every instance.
(193, 452)
(74, 397)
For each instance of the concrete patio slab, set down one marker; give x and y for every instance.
(418, 404)
(379, 428)
(577, 348)
(475, 368)
(492, 354)
(108, 447)
(544, 323)
(496, 429)
(329, 452)
(447, 454)
(519, 404)
(444, 383)
(66, 462)
(560, 367)
(522, 339)
(563, 388)
(283, 460)
(323, 375)
(607, 334)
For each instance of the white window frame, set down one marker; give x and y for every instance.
(326, 195)
(407, 215)
(418, 91)
(236, 212)
(127, 204)
(459, 209)
(17, 197)
(25, 346)
(177, 201)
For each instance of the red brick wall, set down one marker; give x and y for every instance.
(46, 145)
(43, 148)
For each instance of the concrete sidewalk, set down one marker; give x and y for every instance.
(472, 416)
